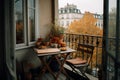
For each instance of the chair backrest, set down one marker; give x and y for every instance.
(86, 51)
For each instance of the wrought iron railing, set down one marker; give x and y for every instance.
(72, 41)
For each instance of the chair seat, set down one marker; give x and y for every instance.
(77, 61)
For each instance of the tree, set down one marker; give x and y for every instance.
(86, 25)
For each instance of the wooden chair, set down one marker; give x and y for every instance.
(81, 63)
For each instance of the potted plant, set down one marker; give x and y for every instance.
(56, 34)
(57, 30)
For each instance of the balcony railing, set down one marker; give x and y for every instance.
(72, 41)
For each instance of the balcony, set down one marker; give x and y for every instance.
(72, 40)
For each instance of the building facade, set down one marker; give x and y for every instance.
(70, 12)
(99, 18)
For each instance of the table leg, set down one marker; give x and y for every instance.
(46, 66)
(62, 65)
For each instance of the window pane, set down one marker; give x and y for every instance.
(112, 18)
(32, 24)
(19, 22)
(111, 46)
(31, 3)
(31, 20)
(112, 27)
(110, 69)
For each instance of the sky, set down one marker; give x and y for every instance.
(93, 6)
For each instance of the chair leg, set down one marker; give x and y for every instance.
(80, 70)
(73, 69)
(83, 73)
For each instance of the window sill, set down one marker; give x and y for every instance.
(24, 47)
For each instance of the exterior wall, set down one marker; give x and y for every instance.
(68, 14)
(99, 22)
(45, 16)
(56, 10)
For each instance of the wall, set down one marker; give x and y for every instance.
(56, 10)
(45, 16)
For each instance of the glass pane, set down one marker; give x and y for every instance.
(112, 18)
(31, 3)
(112, 27)
(111, 46)
(110, 69)
(19, 18)
(32, 24)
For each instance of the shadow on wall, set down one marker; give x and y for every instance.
(26, 64)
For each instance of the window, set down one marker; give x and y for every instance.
(62, 23)
(67, 23)
(59, 11)
(62, 17)
(67, 16)
(25, 21)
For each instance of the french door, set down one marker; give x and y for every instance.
(111, 54)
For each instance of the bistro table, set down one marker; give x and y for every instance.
(54, 52)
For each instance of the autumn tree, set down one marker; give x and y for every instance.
(86, 25)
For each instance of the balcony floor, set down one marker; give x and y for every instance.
(48, 76)
(91, 77)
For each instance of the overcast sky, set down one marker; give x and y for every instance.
(93, 6)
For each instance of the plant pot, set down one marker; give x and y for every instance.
(61, 36)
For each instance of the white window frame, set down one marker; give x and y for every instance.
(27, 42)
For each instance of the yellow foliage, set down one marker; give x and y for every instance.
(86, 25)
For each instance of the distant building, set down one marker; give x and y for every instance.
(99, 22)
(70, 12)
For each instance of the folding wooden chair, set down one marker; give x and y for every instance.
(80, 64)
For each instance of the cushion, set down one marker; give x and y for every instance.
(77, 61)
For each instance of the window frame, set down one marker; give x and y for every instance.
(28, 9)
(27, 43)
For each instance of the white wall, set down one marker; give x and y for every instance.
(45, 16)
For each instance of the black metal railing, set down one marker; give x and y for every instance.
(72, 41)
